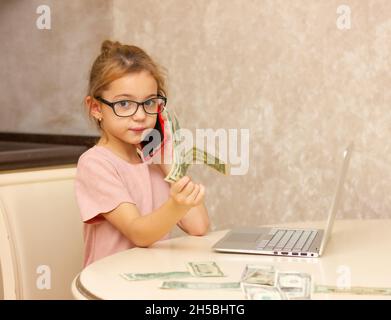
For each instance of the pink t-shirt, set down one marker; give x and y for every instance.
(103, 182)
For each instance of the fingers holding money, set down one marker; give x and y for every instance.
(200, 196)
(197, 195)
(178, 186)
(186, 192)
(188, 189)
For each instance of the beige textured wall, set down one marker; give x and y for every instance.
(301, 85)
(44, 72)
(281, 69)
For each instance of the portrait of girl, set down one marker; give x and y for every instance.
(124, 200)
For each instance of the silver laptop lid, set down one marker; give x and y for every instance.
(337, 197)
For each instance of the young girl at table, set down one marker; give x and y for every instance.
(124, 200)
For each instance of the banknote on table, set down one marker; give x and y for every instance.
(380, 291)
(262, 292)
(295, 285)
(205, 269)
(200, 285)
(156, 275)
(259, 274)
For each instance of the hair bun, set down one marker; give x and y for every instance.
(109, 45)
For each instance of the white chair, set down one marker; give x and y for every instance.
(41, 243)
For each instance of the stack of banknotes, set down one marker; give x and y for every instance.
(260, 282)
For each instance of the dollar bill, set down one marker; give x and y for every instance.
(261, 292)
(178, 167)
(203, 157)
(182, 159)
(258, 274)
(295, 285)
(200, 285)
(205, 269)
(156, 275)
(381, 291)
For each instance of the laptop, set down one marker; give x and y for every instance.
(283, 241)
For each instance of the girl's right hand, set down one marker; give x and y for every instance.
(187, 193)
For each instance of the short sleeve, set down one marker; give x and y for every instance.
(99, 188)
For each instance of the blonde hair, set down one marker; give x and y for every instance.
(117, 60)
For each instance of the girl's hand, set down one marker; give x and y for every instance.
(187, 193)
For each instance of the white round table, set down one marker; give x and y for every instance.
(358, 252)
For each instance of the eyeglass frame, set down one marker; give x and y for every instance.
(111, 105)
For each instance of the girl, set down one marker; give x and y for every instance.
(124, 201)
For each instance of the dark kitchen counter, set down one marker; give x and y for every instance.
(24, 150)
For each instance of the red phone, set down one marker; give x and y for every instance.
(154, 146)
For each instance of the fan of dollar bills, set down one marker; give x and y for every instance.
(182, 158)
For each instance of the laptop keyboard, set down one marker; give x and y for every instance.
(287, 240)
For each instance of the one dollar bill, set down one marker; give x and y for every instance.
(262, 292)
(194, 156)
(259, 274)
(182, 159)
(200, 285)
(382, 291)
(295, 285)
(156, 275)
(205, 269)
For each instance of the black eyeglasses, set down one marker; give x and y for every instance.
(127, 108)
